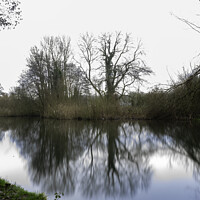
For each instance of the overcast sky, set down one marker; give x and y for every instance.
(169, 44)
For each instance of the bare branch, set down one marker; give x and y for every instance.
(89, 54)
(119, 62)
(190, 24)
(195, 72)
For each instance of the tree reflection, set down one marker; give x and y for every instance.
(122, 166)
(182, 140)
(180, 137)
(99, 158)
(51, 149)
(110, 158)
(2, 135)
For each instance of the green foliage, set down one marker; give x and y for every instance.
(58, 195)
(10, 191)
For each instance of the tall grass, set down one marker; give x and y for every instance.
(93, 108)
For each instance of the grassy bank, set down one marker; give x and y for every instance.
(91, 108)
(14, 192)
(153, 105)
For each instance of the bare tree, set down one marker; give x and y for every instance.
(10, 13)
(196, 70)
(112, 63)
(50, 76)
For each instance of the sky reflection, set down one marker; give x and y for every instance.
(102, 160)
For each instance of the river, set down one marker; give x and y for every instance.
(140, 160)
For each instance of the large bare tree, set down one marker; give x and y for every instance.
(112, 63)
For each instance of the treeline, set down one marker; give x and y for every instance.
(60, 83)
(178, 102)
(96, 82)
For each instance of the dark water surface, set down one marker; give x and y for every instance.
(102, 160)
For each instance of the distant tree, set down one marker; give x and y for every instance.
(1, 90)
(51, 77)
(112, 63)
(10, 13)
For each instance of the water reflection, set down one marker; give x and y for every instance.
(116, 162)
(182, 141)
(110, 159)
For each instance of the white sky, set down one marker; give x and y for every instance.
(169, 44)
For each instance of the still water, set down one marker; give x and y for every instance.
(102, 160)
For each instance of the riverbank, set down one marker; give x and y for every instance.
(155, 105)
(11, 191)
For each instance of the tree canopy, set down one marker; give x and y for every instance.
(51, 76)
(10, 13)
(112, 63)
